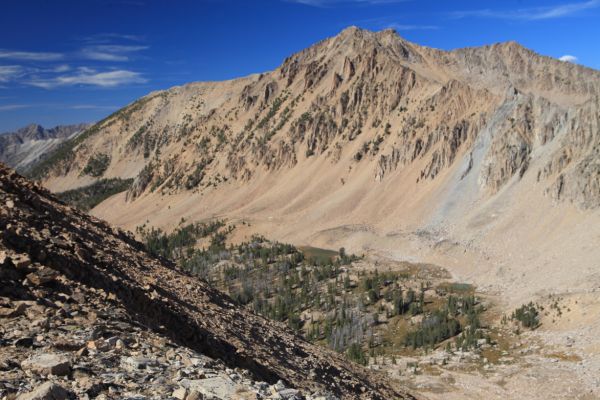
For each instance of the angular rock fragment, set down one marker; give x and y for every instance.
(12, 312)
(47, 391)
(42, 276)
(47, 364)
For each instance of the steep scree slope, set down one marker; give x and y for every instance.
(40, 233)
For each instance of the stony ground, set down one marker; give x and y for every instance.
(84, 345)
(80, 300)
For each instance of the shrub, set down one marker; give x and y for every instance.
(96, 165)
(356, 354)
(527, 315)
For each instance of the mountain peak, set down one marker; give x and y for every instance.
(388, 32)
(351, 30)
(512, 45)
(355, 31)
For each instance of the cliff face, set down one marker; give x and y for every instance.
(27, 146)
(66, 260)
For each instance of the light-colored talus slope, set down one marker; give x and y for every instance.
(60, 250)
(369, 141)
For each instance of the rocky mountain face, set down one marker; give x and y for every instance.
(29, 145)
(368, 141)
(365, 100)
(85, 312)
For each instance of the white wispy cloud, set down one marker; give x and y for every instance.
(330, 3)
(50, 70)
(10, 72)
(111, 52)
(533, 13)
(11, 107)
(61, 68)
(109, 37)
(90, 77)
(392, 22)
(568, 58)
(30, 55)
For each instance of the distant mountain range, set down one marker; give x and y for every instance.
(29, 145)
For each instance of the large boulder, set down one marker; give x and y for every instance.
(47, 391)
(47, 364)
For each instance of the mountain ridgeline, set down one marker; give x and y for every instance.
(482, 161)
(30, 145)
(361, 101)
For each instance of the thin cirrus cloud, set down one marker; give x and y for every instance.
(90, 77)
(409, 27)
(92, 107)
(12, 107)
(110, 37)
(30, 55)
(331, 3)
(532, 14)
(111, 52)
(10, 72)
(57, 69)
(392, 22)
(61, 68)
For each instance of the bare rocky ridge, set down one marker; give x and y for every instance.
(362, 100)
(27, 146)
(58, 262)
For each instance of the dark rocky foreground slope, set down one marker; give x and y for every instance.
(82, 300)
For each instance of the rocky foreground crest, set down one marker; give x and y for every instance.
(86, 312)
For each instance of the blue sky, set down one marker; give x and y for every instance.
(76, 61)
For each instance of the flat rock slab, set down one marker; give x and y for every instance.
(47, 364)
(13, 312)
(217, 387)
(289, 394)
(47, 391)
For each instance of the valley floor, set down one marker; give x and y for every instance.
(530, 256)
(559, 359)
(548, 363)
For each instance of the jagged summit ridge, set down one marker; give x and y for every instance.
(378, 111)
(27, 146)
